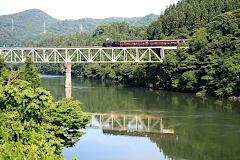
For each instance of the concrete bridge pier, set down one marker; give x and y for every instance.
(68, 81)
(68, 92)
(162, 53)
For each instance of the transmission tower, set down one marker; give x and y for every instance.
(80, 28)
(44, 27)
(12, 25)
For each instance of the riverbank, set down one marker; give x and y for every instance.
(151, 86)
(161, 87)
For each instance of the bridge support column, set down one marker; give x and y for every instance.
(68, 92)
(68, 81)
(162, 53)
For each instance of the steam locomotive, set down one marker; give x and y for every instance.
(146, 43)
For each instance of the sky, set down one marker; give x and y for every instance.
(76, 9)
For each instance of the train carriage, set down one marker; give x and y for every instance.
(134, 43)
(145, 43)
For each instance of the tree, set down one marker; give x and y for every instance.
(30, 73)
(66, 118)
(2, 63)
(31, 125)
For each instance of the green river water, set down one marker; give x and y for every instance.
(132, 123)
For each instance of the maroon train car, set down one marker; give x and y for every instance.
(134, 43)
(146, 43)
(163, 43)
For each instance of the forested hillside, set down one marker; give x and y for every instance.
(182, 19)
(211, 65)
(23, 26)
(114, 32)
(29, 26)
(88, 25)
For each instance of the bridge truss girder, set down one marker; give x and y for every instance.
(85, 54)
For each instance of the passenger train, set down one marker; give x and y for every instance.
(146, 43)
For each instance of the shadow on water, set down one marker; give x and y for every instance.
(183, 126)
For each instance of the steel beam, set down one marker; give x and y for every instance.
(85, 54)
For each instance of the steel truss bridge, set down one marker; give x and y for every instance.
(95, 54)
(129, 124)
(85, 54)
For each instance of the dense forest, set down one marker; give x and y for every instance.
(211, 64)
(36, 25)
(32, 126)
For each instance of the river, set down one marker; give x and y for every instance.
(132, 123)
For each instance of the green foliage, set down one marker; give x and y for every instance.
(23, 116)
(182, 19)
(30, 73)
(31, 145)
(29, 118)
(32, 102)
(211, 64)
(188, 80)
(31, 125)
(66, 118)
(52, 68)
(115, 32)
(178, 71)
(2, 64)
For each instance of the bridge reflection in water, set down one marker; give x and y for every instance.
(130, 124)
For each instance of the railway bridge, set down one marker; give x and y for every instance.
(87, 54)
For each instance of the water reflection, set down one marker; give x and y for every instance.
(187, 127)
(125, 124)
(129, 124)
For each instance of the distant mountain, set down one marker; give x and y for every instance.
(31, 24)
(24, 25)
